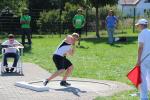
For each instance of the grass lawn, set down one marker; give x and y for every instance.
(95, 59)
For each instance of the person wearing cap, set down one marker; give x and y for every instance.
(111, 22)
(66, 48)
(143, 60)
(25, 26)
(10, 51)
(78, 22)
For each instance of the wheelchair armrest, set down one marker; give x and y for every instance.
(4, 46)
(3, 50)
(20, 51)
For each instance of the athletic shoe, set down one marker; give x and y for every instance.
(45, 82)
(7, 69)
(64, 83)
(12, 69)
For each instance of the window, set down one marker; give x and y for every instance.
(147, 1)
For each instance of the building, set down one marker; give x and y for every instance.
(139, 7)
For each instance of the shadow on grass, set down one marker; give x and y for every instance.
(82, 47)
(130, 40)
(38, 36)
(27, 49)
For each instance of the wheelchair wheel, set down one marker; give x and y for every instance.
(19, 67)
(2, 70)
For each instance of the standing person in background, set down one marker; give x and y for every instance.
(67, 47)
(143, 57)
(111, 22)
(25, 26)
(78, 23)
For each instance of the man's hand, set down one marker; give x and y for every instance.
(138, 63)
(70, 52)
(25, 22)
(16, 45)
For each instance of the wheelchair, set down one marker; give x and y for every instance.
(19, 66)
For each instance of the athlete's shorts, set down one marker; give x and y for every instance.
(61, 62)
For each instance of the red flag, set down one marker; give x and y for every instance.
(135, 76)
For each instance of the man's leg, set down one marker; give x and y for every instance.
(79, 32)
(23, 36)
(28, 33)
(143, 85)
(53, 76)
(66, 75)
(16, 58)
(113, 30)
(79, 36)
(56, 74)
(148, 79)
(110, 35)
(6, 55)
(68, 72)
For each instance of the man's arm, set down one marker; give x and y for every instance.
(140, 50)
(73, 21)
(71, 51)
(16, 43)
(83, 21)
(106, 21)
(24, 22)
(117, 21)
(5, 44)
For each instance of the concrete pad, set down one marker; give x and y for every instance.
(82, 85)
(32, 86)
(78, 86)
(103, 88)
(80, 89)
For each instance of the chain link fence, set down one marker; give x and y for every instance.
(11, 24)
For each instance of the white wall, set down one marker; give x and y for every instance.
(141, 6)
(128, 10)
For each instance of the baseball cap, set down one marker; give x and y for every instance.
(25, 11)
(142, 21)
(10, 36)
(79, 10)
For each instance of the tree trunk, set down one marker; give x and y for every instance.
(86, 20)
(60, 13)
(97, 22)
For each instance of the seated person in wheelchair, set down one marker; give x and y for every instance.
(11, 50)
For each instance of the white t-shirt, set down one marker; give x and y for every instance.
(144, 37)
(10, 50)
(62, 49)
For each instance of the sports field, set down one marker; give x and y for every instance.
(94, 59)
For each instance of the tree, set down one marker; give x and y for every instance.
(100, 3)
(15, 5)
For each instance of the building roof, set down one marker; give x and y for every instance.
(129, 2)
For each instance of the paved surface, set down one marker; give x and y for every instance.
(80, 89)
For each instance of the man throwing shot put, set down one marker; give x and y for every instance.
(67, 47)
